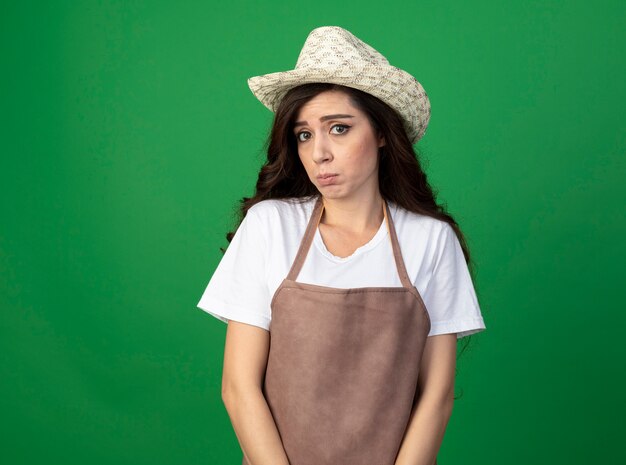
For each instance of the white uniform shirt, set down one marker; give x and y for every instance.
(264, 247)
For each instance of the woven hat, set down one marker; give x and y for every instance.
(333, 54)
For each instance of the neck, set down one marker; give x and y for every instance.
(355, 215)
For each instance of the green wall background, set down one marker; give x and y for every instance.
(129, 134)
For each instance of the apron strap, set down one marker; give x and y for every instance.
(311, 228)
(395, 245)
(309, 233)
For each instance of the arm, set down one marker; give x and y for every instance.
(433, 407)
(245, 360)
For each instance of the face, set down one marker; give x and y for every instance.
(337, 146)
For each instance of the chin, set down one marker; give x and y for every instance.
(331, 193)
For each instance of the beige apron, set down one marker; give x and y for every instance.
(343, 364)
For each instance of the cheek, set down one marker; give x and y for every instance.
(307, 163)
(364, 158)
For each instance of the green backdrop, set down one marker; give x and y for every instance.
(128, 134)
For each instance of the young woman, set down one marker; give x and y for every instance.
(345, 286)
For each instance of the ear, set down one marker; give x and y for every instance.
(381, 141)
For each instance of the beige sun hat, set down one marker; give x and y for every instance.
(333, 54)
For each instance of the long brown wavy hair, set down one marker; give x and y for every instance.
(401, 177)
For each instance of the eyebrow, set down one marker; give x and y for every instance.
(324, 118)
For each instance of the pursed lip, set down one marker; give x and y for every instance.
(326, 179)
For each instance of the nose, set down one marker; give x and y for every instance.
(321, 149)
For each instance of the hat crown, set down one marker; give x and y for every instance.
(333, 47)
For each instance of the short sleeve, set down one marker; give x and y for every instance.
(238, 288)
(450, 297)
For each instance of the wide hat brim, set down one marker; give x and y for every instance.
(394, 86)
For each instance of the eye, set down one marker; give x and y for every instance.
(345, 128)
(299, 134)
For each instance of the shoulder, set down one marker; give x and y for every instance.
(416, 225)
(279, 219)
(280, 222)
